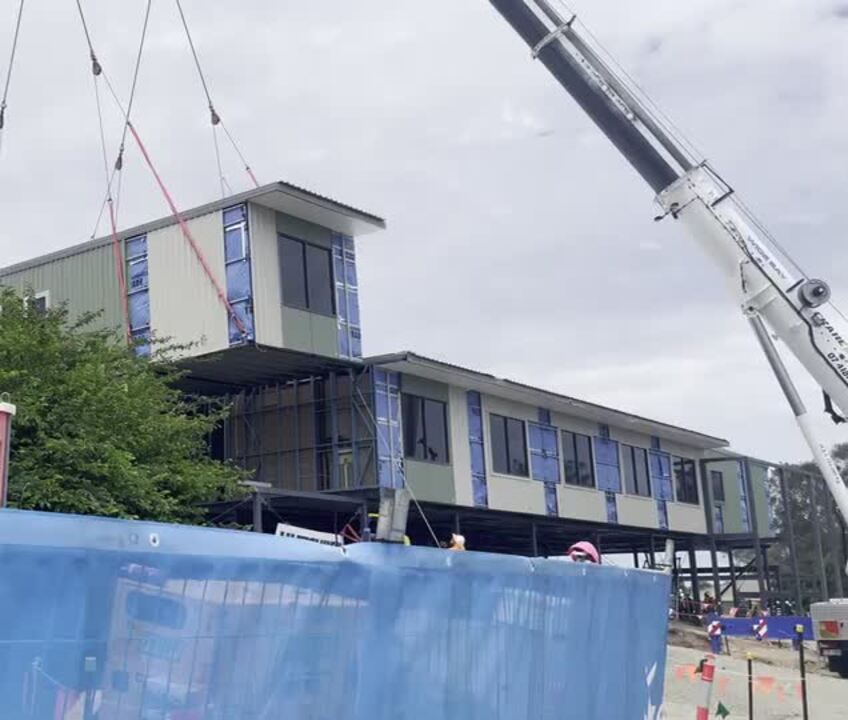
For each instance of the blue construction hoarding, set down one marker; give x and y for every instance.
(112, 620)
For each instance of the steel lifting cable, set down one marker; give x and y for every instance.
(213, 113)
(129, 128)
(12, 55)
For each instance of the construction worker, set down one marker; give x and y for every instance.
(714, 628)
(584, 551)
(457, 542)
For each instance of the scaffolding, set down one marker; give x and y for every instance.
(308, 434)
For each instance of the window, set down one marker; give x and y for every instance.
(544, 457)
(607, 465)
(685, 480)
(637, 480)
(40, 302)
(509, 446)
(717, 480)
(306, 275)
(425, 429)
(577, 459)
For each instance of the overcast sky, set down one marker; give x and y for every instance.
(519, 241)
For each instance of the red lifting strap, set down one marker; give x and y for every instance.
(222, 296)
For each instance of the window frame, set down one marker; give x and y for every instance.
(630, 465)
(506, 436)
(573, 446)
(717, 475)
(422, 408)
(543, 454)
(685, 498)
(308, 306)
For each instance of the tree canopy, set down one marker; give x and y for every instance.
(100, 430)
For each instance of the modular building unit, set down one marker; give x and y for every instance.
(283, 257)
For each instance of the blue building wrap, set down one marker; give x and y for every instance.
(659, 466)
(479, 483)
(390, 469)
(347, 297)
(544, 458)
(744, 505)
(138, 293)
(124, 620)
(238, 273)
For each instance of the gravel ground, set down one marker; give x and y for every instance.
(776, 690)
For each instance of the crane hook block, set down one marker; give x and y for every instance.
(814, 293)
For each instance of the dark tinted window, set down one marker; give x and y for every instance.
(425, 432)
(319, 282)
(717, 479)
(292, 273)
(685, 480)
(636, 478)
(156, 610)
(509, 446)
(577, 459)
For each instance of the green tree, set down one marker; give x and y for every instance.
(99, 430)
(811, 508)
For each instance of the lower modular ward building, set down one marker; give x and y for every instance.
(268, 304)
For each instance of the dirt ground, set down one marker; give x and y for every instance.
(776, 680)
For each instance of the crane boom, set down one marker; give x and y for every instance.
(770, 288)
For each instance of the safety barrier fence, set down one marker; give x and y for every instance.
(121, 620)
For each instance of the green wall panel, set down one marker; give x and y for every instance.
(430, 481)
(309, 332)
(425, 388)
(85, 281)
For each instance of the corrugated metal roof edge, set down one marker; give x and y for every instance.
(411, 357)
(191, 213)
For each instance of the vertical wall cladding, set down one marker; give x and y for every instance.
(84, 282)
(390, 470)
(265, 267)
(138, 293)
(659, 465)
(477, 445)
(237, 269)
(608, 467)
(347, 297)
(184, 304)
(544, 458)
(744, 504)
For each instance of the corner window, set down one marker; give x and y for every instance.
(717, 480)
(425, 429)
(637, 480)
(306, 275)
(509, 446)
(685, 480)
(577, 459)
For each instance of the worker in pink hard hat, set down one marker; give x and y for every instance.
(584, 551)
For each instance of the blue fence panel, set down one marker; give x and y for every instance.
(780, 627)
(124, 620)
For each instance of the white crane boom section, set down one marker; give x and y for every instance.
(768, 286)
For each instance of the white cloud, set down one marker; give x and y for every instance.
(519, 241)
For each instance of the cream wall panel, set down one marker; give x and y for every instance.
(638, 511)
(686, 518)
(516, 495)
(581, 503)
(184, 305)
(267, 292)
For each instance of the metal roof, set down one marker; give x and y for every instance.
(281, 196)
(509, 389)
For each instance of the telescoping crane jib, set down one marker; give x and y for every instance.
(775, 295)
